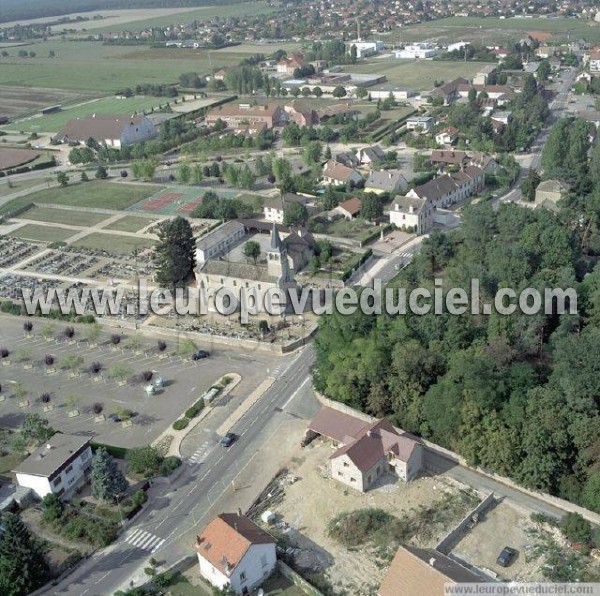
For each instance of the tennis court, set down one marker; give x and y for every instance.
(177, 200)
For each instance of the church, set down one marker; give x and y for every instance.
(220, 273)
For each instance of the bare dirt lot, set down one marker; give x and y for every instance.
(18, 101)
(11, 158)
(501, 526)
(311, 502)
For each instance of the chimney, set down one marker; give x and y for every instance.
(48, 446)
(396, 207)
(411, 209)
(432, 561)
(239, 512)
(390, 175)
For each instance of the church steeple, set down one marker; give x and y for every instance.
(277, 261)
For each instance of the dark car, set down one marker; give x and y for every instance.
(505, 558)
(228, 440)
(200, 354)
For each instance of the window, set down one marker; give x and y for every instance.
(345, 464)
(85, 455)
(69, 469)
(352, 479)
(56, 481)
(243, 576)
(340, 473)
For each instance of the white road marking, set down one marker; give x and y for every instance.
(287, 403)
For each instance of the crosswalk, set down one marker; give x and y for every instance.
(405, 255)
(144, 540)
(200, 454)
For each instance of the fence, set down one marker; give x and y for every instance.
(298, 580)
(447, 542)
(459, 460)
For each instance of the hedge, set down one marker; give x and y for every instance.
(376, 233)
(118, 452)
(355, 263)
(194, 410)
(181, 423)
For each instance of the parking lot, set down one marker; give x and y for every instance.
(117, 386)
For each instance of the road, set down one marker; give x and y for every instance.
(177, 510)
(558, 105)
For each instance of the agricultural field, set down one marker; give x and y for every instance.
(41, 233)
(12, 158)
(96, 193)
(88, 66)
(115, 244)
(105, 105)
(487, 30)
(17, 185)
(420, 75)
(18, 101)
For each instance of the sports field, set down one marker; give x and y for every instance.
(420, 75)
(101, 106)
(175, 200)
(130, 223)
(96, 193)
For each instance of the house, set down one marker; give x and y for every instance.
(350, 208)
(244, 114)
(423, 571)
(446, 190)
(336, 174)
(502, 117)
(301, 115)
(415, 213)
(481, 78)
(59, 466)
(448, 93)
(549, 192)
(347, 159)
(414, 51)
(234, 552)
(218, 241)
(289, 65)
(370, 155)
(446, 157)
(220, 75)
(421, 123)
(390, 181)
(111, 131)
(594, 61)
(274, 208)
(366, 450)
(338, 109)
(447, 136)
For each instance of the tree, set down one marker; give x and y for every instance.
(317, 92)
(576, 528)
(175, 253)
(252, 250)
(23, 565)
(295, 214)
(107, 479)
(101, 173)
(529, 185)
(52, 509)
(62, 179)
(544, 70)
(197, 174)
(371, 207)
(36, 429)
(339, 92)
(184, 173)
(144, 460)
(84, 177)
(51, 54)
(312, 153)
(361, 93)
(472, 95)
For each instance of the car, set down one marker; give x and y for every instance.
(200, 354)
(228, 440)
(505, 558)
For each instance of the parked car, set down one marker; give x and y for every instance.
(228, 440)
(505, 558)
(200, 354)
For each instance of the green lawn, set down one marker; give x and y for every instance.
(41, 233)
(63, 216)
(10, 462)
(131, 223)
(111, 243)
(104, 105)
(420, 75)
(96, 193)
(17, 186)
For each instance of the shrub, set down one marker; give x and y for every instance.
(97, 408)
(28, 326)
(169, 464)
(194, 410)
(96, 367)
(147, 375)
(4, 352)
(69, 332)
(576, 528)
(45, 398)
(180, 424)
(162, 345)
(115, 339)
(49, 359)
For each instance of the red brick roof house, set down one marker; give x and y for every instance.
(336, 174)
(367, 450)
(233, 551)
(350, 208)
(238, 115)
